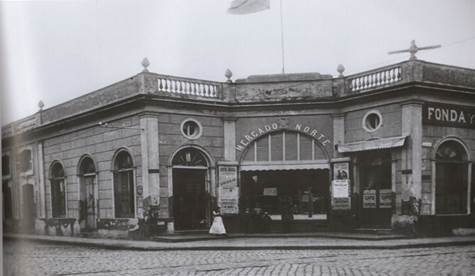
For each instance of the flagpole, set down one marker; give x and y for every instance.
(282, 38)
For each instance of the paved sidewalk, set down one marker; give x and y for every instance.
(252, 243)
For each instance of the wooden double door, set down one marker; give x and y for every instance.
(191, 203)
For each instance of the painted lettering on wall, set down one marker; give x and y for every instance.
(265, 129)
(449, 115)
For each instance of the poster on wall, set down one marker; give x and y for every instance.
(341, 188)
(228, 191)
(341, 171)
(369, 199)
(385, 198)
(343, 203)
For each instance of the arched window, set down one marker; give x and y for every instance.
(87, 203)
(87, 166)
(284, 146)
(124, 186)
(451, 179)
(58, 190)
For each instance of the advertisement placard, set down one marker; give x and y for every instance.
(343, 203)
(341, 188)
(369, 199)
(385, 199)
(228, 191)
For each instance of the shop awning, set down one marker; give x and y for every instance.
(252, 166)
(381, 143)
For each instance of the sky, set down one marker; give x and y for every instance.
(55, 51)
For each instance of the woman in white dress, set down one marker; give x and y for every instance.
(217, 228)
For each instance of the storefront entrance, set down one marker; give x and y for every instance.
(375, 189)
(190, 200)
(306, 192)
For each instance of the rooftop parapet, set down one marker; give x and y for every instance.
(254, 89)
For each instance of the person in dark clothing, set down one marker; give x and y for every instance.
(266, 222)
(287, 215)
(246, 221)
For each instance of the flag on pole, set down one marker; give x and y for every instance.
(248, 6)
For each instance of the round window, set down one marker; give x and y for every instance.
(372, 121)
(191, 129)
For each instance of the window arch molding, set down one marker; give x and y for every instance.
(317, 143)
(80, 163)
(208, 158)
(439, 143)
(119, 151)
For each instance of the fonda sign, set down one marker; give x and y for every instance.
(449, 115)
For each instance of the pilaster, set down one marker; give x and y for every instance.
(412, 153)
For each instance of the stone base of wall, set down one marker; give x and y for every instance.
(404, 224)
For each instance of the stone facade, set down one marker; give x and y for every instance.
(295, 122)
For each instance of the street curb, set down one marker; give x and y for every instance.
(123, 245)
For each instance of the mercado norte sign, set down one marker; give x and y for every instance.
(449, 115)
(281, 125)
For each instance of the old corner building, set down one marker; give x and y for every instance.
(381, 148)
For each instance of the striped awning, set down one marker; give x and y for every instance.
(381, 143)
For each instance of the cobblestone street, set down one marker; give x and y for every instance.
(22, 258)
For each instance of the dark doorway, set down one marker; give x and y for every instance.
(87, 172)
(28, 208)
(7, 201)
(377, 197)
(88, 207)
(190, 200)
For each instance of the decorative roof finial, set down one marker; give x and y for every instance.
(340, 69)
(413, 49)
(145, 64)
(41, 105)
(228, 74)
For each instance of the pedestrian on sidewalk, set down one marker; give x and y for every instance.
(217, 228)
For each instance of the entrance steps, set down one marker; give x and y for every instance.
(374, 230)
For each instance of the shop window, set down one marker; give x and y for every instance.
(191, 129)
(375, 170)
(306, 192)
(124, 186)
(58, 190)
(25, 161)
(372, 121)
(5, 165)
(451, 179)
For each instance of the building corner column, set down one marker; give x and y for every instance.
(412, 153)
(150, 161)
(229, 138)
